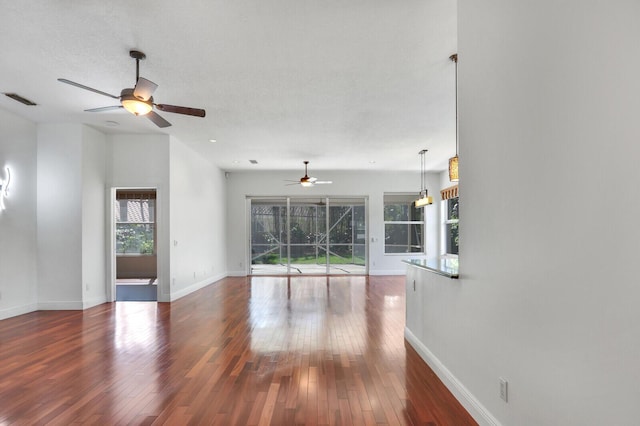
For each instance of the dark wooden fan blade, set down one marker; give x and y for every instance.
(107, 108)
(158, 120)
(181, 110)
(91, 89)
(144, 89)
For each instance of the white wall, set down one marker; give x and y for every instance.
(70, 216)
(198, 215)
(548, 295)
(18, 278)
(368, 184)
(59, 216)
(142, 161)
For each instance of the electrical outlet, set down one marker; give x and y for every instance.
(504, 389)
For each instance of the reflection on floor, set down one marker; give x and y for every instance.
(297, 350)
(136, 289)
(311, 269)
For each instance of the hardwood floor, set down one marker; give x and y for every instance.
(243, 351)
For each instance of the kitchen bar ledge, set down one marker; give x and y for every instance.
(445, 267)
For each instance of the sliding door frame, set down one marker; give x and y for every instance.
(292, 200)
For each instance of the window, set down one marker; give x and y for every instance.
(403, 224)
(451, 225)
(135, 222)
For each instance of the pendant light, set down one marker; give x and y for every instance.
(453, 161)
(424, 199)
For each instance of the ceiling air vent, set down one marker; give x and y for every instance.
(20, 99)
(253, 161)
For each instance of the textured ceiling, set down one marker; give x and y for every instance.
(348, 85)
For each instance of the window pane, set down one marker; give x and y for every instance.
(452, 209)
(268, 234)
(134, 238)
(452, 238)
(403, 238)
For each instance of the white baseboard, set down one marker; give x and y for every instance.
(196, 286)
(18, 310)
(402, 271)
(93, 302)
(478, 411)
(60, 306)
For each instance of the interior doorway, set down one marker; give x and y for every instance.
(135, 236)
(291, 236)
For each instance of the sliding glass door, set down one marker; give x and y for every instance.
(289, 236)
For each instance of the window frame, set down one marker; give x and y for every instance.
(448, 221)
(137, 196)
(409, 200)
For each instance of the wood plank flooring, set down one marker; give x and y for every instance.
(243, 351)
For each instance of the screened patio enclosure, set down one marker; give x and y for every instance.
(292, 236)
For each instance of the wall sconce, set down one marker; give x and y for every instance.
(4, 187)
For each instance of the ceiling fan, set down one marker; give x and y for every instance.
(138, 100)
(307, 180)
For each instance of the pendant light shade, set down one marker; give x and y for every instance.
(453, 161)
(453, 169)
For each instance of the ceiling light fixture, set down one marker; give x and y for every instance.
(453, 161)
(424, 199)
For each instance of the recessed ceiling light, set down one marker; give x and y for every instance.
(213, 140)
(235, 161)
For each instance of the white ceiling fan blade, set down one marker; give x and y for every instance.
(322, 182)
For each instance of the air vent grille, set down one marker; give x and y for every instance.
(20, 99)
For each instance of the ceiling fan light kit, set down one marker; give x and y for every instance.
(138, 100)
(134, 105)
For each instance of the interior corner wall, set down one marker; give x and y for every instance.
(59, 216)
(368, 184)
(93, 217)
(142, 161)
(548, 291)
(18, 278)
(198, 221)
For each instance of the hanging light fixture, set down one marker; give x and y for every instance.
(453, 161)
(424, 199)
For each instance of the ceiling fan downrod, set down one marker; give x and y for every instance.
(137, 55)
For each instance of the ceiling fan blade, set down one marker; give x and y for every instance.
(322, 182)
(157, 120)
(181, 110)
(144, 89)
(107, 108)
(91, 89)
